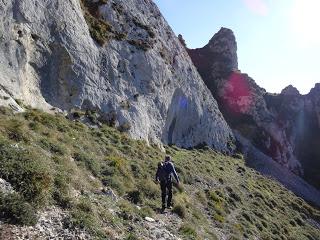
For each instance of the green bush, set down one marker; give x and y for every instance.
(131, 236)
(84, 217)
(6, 111)
(16, 131)
(115, 182)
(27, 171)
(53, 147)
(90, 163)
(128, 211)
(180, 210)
(50, 121)
(61, 190)
(125, 127)
(15, 210)
(134, 196)
(188, 231)
(149, 189)
(179, 187)
(146, 212)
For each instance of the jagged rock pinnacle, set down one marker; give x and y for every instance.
(223, 44)
(290, 90)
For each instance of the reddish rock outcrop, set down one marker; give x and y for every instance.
(285, 126)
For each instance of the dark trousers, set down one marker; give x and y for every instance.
(166, 190)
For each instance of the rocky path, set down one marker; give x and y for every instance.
(50, 226)
(163, 226)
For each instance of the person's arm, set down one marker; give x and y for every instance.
(174, 173)
(157, 175)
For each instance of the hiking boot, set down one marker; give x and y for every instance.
(169, 207)
(163, 208)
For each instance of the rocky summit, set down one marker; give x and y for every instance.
(282, 126)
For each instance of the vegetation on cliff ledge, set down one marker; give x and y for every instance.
(100, 30)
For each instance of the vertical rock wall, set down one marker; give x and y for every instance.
(117, 57)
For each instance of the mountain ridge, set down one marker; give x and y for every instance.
(280, 125)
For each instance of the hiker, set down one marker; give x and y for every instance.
(164, 176)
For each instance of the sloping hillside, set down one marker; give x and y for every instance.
(97, 183)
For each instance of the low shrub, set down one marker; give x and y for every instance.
(125, 127)
(218, 217)
(61, 190)
(115, 182)
(188, 231)
(16, 131)
(131, 236)
(180, 210)
(48, 120)
(15, 210)
(146, 212)
(134, 196)
(27, 171)
(53, 147)
(128, 211)
(179, 187)
(83, 217)
(90, 163)
(149, 189)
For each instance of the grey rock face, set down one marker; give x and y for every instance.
(142, 79)
(284, 126)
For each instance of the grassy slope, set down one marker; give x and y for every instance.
(53, 161)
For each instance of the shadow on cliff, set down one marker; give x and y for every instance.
(57, 85)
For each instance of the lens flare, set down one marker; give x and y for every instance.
(236, 94)
(257, 6)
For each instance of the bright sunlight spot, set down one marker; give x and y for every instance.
(305, 18)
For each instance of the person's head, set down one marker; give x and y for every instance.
(167, 158)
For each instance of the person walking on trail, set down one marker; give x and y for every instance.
(164, 176)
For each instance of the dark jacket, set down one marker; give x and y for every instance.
(165, 172)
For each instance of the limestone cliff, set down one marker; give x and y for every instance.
(283, 126)
(117, 57)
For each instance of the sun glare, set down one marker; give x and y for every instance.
(305, 18)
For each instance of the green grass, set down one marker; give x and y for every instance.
(48, 158)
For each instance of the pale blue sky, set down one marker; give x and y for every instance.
(278, 40)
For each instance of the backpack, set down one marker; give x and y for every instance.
(162, 172)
